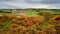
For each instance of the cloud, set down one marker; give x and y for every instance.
(43, 1)
(49, 4)
(27, 5)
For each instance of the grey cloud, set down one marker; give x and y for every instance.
(43, 1)
(34, 1)
(26, 3)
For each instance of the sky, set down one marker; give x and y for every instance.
(22, 4)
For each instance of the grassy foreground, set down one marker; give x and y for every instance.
(43, 22)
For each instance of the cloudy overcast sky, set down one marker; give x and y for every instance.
(14, 4)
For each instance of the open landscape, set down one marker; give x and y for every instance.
(29, 21)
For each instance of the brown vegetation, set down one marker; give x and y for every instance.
(28, 25)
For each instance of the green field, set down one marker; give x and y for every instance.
(35, 12)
